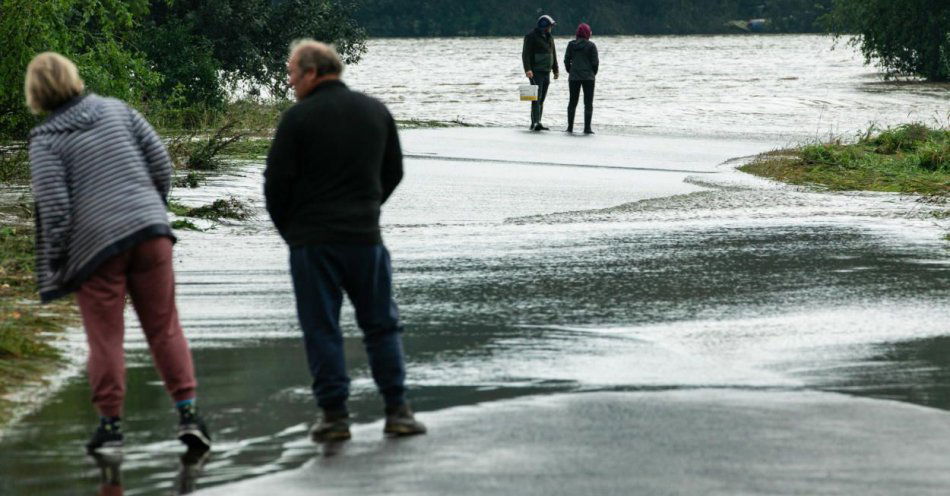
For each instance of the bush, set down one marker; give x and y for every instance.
(902, 138)
(14, 164)
(907, 37)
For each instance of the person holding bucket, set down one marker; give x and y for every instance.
(581, 62)
(539, 58)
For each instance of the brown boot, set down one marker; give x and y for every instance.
(331, 428)
(401, 422)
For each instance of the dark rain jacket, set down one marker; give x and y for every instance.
(581, 61)
(334, 160)
(538, 53)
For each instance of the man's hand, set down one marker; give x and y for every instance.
(530, 74)
(556, 75)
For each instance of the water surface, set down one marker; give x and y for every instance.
(526, 264)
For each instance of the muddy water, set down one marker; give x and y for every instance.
(634, 263)
(790, 87)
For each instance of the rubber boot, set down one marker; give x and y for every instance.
(588, 115)
(535, 115)
(539, 126)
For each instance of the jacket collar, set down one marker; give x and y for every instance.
(64, 107)
(325, 85)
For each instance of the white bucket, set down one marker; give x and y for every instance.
(529, 92)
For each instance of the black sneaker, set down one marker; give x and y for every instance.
(401, 422)
(331, 428)
(107, 437)
(588, 131)
(541, 127)
(192, 430)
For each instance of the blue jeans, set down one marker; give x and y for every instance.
(321, 273)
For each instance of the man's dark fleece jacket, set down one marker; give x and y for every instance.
(334, 160)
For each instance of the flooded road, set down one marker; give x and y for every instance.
(534, 265)
(784, 87)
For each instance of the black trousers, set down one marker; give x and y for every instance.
(543, 80)
(575, 91)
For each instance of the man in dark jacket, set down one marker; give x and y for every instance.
(539, 58)
(334, 161)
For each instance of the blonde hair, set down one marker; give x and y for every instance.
(51, 80)
(320, 57)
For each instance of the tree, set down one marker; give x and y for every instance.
(244, 41)
(92, 33)
(906, 37)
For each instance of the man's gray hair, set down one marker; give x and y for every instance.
(312, 54)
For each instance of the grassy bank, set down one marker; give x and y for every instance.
(912, 158)
(25, 327)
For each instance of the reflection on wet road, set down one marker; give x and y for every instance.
(519, 279)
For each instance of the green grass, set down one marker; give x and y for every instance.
(14, 164)
(912, 158)
(257, 118)
(185, 225)
(249, 148)
(24, 350)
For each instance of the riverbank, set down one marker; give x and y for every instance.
(600, 263)
(29, 355)
(910, 159)
(27, 330)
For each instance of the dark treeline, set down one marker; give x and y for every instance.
(414, 18)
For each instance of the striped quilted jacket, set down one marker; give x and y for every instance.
(100, 177)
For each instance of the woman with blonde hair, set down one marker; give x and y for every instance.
(101, 177)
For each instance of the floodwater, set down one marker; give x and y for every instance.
(787, 87)
(525, 264)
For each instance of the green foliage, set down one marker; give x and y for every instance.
(91, 32)
(179, 58)
(244, 41)
(909, 159)
(516, 17)
(226, 208)
(907, 37)
(190, 180)
(184, 85)
(14, 164)
(20, 322)
(185, 225)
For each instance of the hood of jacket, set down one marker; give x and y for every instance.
(579, 43)
(77, 114)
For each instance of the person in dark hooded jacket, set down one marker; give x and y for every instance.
(581, 62)
(539, 58)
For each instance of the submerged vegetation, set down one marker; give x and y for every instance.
(912, 158)
(226, 208)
